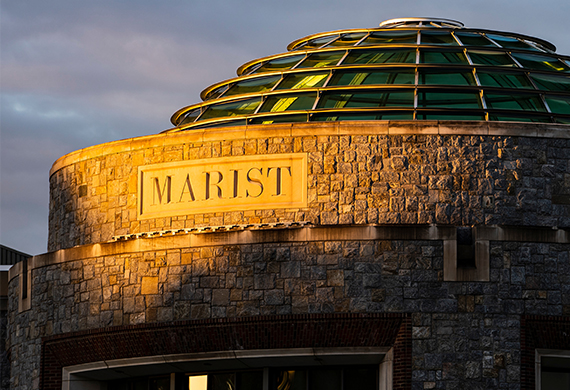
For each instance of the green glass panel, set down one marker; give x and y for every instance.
(510, 42)
(450, 116)
(279, 103)
(562, 120)
(362, 117)
(367, 99)
(403, 76)
(260, 84)
(442, 57)
(251, 69)
(558, 104)
(548, 82)
(513, 118)
(190, 117)
(303, 80)
(450, 77)
(318, 42)
(390, 37)
(494, 58)
(449, 99)
(241, 107)
(216, 93)
(280, 63)
(473, 39)
(514, 102)
(437, 38)
(540, 62)
(278, 119)
(320, 60)
(404, 56)
(347, 40)
(504, 80)
(240, 122)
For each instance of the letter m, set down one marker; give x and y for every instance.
(161, 193)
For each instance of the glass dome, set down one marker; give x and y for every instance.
(407, 69)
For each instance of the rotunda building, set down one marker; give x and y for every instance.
(383, 208)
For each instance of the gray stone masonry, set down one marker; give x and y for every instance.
(465, 334)
(359, 179)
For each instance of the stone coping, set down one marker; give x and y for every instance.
(482, 128)
(291, 235)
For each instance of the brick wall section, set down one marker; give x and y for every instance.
(259, 332)
(359, 179)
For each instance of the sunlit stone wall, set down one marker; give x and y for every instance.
(472, 173)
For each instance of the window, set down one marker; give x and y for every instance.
(552, 370)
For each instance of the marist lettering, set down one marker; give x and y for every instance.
(250, 184)
(223, 184)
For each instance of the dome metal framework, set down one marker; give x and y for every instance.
(407, 69)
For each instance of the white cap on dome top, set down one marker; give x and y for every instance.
(391, 22)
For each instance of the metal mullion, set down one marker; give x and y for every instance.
(362, 39)
(326, 83)
(417, 55)
(544, 102)
(342, 58)
(514, 60)
(316, 102)
(331, 41)
(263, 97)
(300, 61)
(277, 83)
(457, 39)
(419, 37)
(493, 41)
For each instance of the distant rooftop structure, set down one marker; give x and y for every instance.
(9, 256)
(406, 69)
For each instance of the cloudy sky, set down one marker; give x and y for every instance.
(78, 73)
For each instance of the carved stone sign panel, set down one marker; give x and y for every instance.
(222, 184)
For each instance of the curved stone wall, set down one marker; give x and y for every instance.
(464, 173)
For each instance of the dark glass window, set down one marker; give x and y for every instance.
(278, 103)
(540, 62)
(451, 116)
(191, 116)
(525, 102)
(445, 77)
(401, 56)
(366, 99)
(320, 60)
(437, 38)
(510, 42)
(519, 118)
(403, 115)
(280, 63)
(260, 84)
(494, 58)
(450, 99)
(241, 107)
(216, 93)
(278, 119)
(318, 42)
(558, 104)
(347, 39)
(548, 82)
(504, 80)
(442, 57)
(473, 39)
(387, 37)
(303, 80)
(369, 77)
